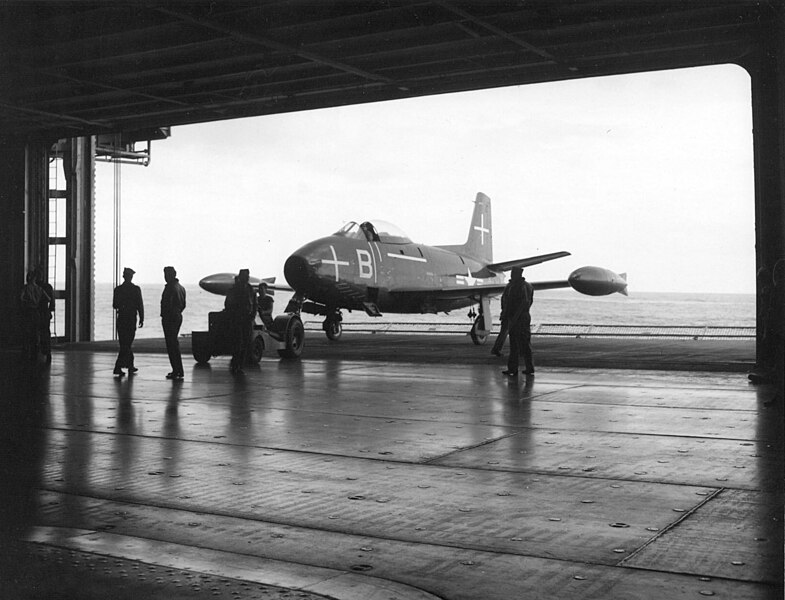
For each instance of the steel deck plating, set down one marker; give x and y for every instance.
(349, 474)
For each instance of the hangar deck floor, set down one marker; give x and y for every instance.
(399, 467)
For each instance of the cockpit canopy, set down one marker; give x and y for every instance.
(378, 231)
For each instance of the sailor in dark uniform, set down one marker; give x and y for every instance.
(519, 295)
(240, 305)
(127, 301)
(172, 307)
(46, 309)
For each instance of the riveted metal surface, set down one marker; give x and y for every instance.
(62, 572)
(430, 504)
(672, 459)
(450, 572)
(702, 398)
(255, 575)
(727, 537)
(443, 476)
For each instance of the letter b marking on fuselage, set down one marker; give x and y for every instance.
(365, 264)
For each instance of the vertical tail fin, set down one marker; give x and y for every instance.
(479, 243)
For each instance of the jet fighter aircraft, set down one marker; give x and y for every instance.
(375, 267)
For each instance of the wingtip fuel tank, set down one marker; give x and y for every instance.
(597, 281)
(221, 283)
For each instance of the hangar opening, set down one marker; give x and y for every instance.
(104, 69)
(649, 174)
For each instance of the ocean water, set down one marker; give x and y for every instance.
(550, 307)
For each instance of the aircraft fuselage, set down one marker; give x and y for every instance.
(341, 272)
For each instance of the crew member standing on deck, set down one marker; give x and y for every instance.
(30, 302)
(172, 307)
(519, 297)
(127, 301)
(46, 310)
(777, 323)
(240, 306)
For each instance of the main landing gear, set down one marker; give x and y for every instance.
(479, 331)
(332, 326)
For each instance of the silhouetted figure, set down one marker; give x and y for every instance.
(519, 297)
(46, 309)
(172, 307)
(240, 306)
(31, 298)
(777, 324)
(265, 306)
(127, 301)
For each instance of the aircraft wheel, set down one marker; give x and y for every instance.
(477, 338)
(333, 329)
(294, 338)
(257, 348)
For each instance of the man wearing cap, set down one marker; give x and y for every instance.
(518, 296)
(241, 307)
(127, 301)
(172, 307)
(46, 309)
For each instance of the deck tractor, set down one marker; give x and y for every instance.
(286, 335)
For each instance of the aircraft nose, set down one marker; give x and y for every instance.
(297, 271)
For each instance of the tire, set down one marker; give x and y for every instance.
(257, 348)
(333, 330)
(293, 338)
(200, 347)
(478, 339)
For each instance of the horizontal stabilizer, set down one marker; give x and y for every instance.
(526, 262)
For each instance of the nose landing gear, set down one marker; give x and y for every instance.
(332, 326)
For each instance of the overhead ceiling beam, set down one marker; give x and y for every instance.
(495, 30)
(53, 116)
(253, 38)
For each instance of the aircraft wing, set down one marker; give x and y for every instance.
(526, 262)
(550, 285)
(454, 293)
(459, 292)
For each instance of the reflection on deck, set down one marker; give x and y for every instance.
(427, 478)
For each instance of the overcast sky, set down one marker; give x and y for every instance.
(649, 174)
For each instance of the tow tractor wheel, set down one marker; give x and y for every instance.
(201, 356)
(257, 348)
(200, 347)
(333, 329)
(293, 337)
(477, 338)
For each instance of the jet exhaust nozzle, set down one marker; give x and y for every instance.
(597, 281)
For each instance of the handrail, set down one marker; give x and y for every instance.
(574, 330)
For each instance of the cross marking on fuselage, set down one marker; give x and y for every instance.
(335, 262)
(482, 229)
(466, 279)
